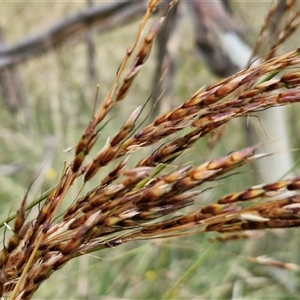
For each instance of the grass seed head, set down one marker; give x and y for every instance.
(127, 203)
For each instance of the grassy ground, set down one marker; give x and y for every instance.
(59, 105)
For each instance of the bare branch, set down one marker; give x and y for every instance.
(102, 17)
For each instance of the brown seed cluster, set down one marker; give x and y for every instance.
(128, 202)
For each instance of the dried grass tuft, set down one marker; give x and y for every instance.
(128, 202)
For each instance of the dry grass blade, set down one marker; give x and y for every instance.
(263, 260)
(279, 24)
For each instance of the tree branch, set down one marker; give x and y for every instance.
(103, 18)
